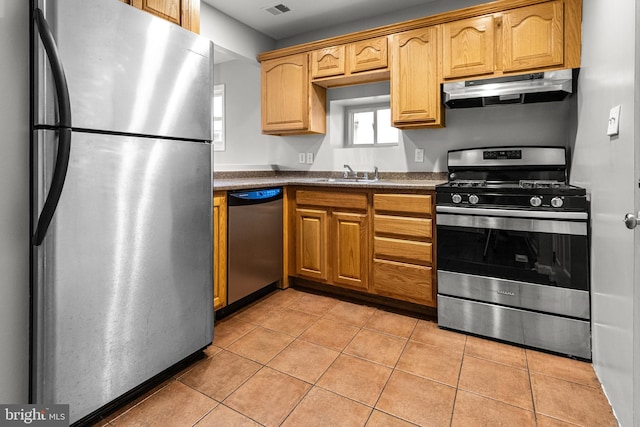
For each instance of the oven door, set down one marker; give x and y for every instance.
(534, 260)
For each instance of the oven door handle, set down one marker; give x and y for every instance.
(512, 213)
(534, 225)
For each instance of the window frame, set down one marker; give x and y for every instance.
(374, 107)
(218, 143)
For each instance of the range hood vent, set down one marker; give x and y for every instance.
(521, 89)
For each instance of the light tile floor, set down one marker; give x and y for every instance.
(300, 359)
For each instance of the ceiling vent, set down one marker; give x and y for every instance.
(278, 9)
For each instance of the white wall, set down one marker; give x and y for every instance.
(605, 167)
(546, 123)
(232, 35)
(246, 147)
(14, 201)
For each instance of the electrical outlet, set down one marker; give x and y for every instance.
(301, 158)
(419, 155)
(310, 158)
(613, 127)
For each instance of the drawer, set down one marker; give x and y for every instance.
(332, 199)
(411, 227)
(405, 282)
(417, 204)
(402, 250)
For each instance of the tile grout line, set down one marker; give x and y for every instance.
(328, 367)
(393, 369)
(455, 396)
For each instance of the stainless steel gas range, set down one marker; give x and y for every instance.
(513, 249)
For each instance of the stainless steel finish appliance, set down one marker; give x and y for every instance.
(513, 249)
(255, 242)
(519, 89)
(121, 201)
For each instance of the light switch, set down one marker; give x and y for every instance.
(613, 127)
(419, 155)
(301, 157)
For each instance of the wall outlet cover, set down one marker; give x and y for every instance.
(419, 155)
(301, 158)
(310, 158)
(613, 127)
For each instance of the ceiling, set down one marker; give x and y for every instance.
(305, 15)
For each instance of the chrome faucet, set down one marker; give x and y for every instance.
(350, 173)
(375, 173)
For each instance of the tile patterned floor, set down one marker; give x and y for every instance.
(300, 359)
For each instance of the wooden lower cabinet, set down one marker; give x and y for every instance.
(349, 248)
(403, 281)
(219, 250)
(403, 257)
(368, 241)
(311, 243)
(331, 238)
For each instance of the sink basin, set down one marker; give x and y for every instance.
(348, 180)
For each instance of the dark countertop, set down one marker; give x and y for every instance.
(224, 181)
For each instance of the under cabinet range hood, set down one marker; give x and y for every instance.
(521, 89)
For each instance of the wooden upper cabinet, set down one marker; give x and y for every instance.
(468, 47)
(532, 37)
(368, 55)
(185, 13)
(290, 103)
(328, 62)
(415, 82)
(347, 61)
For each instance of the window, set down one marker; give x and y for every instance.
(370, 125)
(217, 125)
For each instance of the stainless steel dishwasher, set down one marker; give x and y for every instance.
(255, 237)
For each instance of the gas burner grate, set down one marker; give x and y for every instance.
(526, 183)
(468, 183)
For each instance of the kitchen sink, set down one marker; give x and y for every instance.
(349, 180)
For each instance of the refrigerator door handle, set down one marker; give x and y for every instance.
(64, 131)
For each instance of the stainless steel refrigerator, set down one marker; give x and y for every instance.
(121, 259)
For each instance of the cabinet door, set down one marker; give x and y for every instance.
(328, 62)
(368, 55)
(311, 243)
(533, 37)
(349, 247)
(285, 94)
(171, 10)
(403, 281)
(185, 13)
(219, 252)
(468, 47)
(415, 86)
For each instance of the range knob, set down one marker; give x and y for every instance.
(557, 202)
(535, 201)
(473, 199)
(456, 198)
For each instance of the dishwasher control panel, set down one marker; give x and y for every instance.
(255, 195)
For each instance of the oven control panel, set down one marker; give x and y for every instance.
(502, 155)
(521, 201)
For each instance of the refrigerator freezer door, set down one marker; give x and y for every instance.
(127, 71)
(123, 279)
